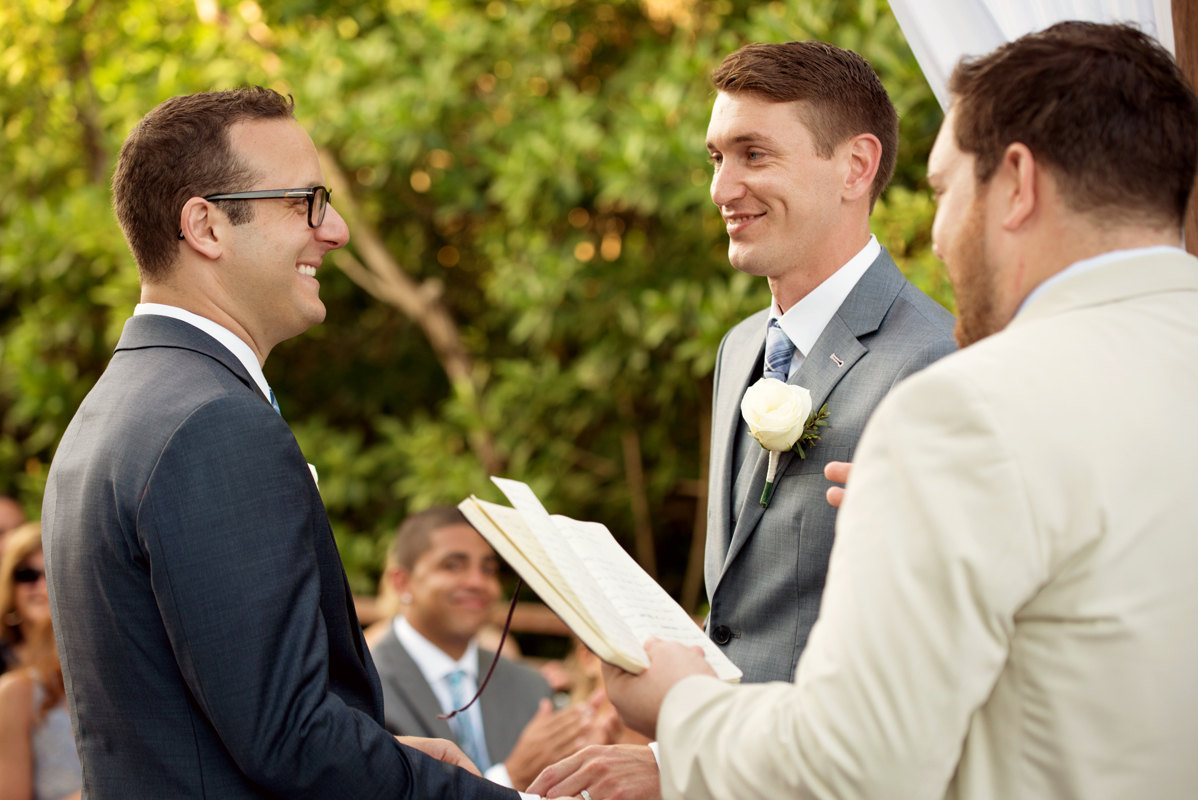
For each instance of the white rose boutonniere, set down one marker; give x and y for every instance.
(780, 418)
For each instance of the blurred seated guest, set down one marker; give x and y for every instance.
(387, 605)
(11, 516)
(429, 661)
(23, 602)
(37, 754)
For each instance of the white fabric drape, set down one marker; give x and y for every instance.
(941, 32)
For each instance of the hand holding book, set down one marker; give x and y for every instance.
(587, 578)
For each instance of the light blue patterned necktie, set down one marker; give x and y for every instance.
(472, 744)
(273, 402)
(779, 351)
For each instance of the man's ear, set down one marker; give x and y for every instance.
(1014, 186)
(398, 578)
(199, 227)
(864, 153)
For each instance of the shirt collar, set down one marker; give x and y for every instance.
(805, 320)
(220, 333)
(435, 664)
(1087, 264)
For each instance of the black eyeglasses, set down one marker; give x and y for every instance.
(317, 197)
(27, 575)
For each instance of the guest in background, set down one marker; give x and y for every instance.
(429, 661)
(37, 754)
(387, 605)
(23, 602)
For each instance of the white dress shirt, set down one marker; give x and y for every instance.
(220, 333)
(805, 320)
(436, 666)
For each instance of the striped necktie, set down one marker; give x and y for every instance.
(273, 402)
(778, 352)
(468, 736)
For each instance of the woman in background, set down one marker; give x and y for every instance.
(37, 754)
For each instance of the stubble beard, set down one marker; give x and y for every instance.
(975, 285)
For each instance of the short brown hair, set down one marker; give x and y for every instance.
(412, 540)
(844, 94)
(178, 151)
(1104, 106)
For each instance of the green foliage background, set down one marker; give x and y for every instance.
(496, 146)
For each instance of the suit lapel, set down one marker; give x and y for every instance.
(738, 369)
(154, 330)
(834, 354)
(412, 689)
(489, 707)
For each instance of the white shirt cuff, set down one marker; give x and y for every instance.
(656, 754)
(497, 773)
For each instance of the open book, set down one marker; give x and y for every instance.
(587, 578)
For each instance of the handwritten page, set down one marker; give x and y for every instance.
(507, 532)
(577, 572)
(646, 607)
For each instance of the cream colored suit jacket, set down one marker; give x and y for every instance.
(1012, 601)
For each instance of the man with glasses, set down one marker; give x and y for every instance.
(207, 633)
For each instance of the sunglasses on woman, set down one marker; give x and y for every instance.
(27, 575)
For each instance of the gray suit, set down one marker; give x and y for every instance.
(765, 568)
(206, 629)
(410, 707)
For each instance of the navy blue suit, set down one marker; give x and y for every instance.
(206, 629)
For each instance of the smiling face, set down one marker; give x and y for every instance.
(780, 200)
(959, 238)
(269, 264)
(453, 586)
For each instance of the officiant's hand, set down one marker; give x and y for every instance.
(551, 736)
(837, 472)
(639, 697)
(442, 750)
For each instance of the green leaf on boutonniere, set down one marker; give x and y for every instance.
(810, 434)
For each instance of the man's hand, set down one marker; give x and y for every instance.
(618, 772)
(442, 750)
(837, 472)
(549, 737)
(639, 697)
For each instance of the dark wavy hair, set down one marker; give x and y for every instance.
(1104, 106)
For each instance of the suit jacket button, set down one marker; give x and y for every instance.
(721, 634)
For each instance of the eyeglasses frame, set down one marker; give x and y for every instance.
(308, 193)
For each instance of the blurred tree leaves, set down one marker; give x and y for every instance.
(540, 160)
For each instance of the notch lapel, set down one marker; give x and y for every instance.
(834, 354)
(413, 690)
(744, 347)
